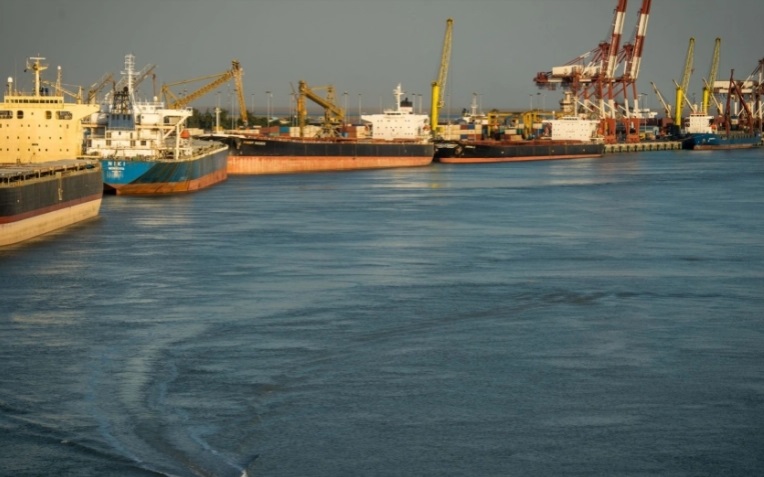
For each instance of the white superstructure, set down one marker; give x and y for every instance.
(126, 127)
(571, 128)
(399, 123)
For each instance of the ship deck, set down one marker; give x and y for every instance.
(13, 173)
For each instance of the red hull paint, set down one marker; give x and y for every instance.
(484, 160)
(47, 210)
(172, 187)
(277, 165)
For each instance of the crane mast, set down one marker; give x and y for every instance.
(708, 85)
(439, 85)
(681, 89)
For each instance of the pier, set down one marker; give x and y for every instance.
(643, 146)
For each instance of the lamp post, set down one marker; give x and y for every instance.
(233, 113)
(268, 110)
(531, 97)
(253, 106)
(345, 116)
(359, 108)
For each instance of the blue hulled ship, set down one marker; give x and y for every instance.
(144, 147)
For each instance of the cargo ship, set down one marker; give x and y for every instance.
(44, 185)
(702, 134)
(396, 138)
(568, 137)
(145, 149)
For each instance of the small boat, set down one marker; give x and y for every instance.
(44, 183)
(145, 149)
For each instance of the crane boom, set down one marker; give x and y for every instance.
(439, 85)
(98, 86)
(235, 73)
(707, 87)
(681, 89)
(666, 106)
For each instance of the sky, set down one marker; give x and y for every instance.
(367, 47)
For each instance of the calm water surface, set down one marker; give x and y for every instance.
(590, 317)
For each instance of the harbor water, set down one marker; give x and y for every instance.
(588, 317)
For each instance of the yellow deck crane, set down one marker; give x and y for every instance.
(173, 101)
(709, 83)
(439, 85)
(333, 114)
(59, 87)
(681, 89)
(98, 86)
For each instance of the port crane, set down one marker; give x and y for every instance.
(439, 85)
(709, 82)
(756, 79)
(173, 101)
(592, 78)
(746, 120)
(681, 89)
(333, 114)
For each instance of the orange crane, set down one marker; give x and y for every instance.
(333, 114)
(173, 101)
(592, 79)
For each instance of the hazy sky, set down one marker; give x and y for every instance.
(366, 47)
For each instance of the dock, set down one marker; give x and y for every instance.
(643, 146)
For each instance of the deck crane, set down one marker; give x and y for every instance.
(333, 114)
(96, 87)
(666, 106)
(57, 85)
(235, 73)
(708, 84)
(439, 85)
(137, 79)
(681, 89)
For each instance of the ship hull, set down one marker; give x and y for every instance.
(39, 199)
(710, 141)
(137, 176)
(256, 156)
(494, 151)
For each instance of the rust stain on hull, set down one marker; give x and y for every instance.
(171, 187)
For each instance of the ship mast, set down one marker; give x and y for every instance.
(37, 67)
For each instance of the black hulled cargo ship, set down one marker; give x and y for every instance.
(38, 198)
(44, 183)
